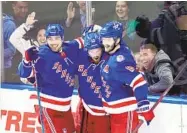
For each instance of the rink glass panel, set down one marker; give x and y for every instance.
(56, 12)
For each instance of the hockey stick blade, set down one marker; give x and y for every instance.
(164, 94)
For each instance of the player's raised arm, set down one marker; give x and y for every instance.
(17, 36)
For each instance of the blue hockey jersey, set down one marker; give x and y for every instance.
(124, 86)
(90, 84)
(55, 75)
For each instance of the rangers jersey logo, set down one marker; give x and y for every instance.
(107, 88)
(96, 91)
(106, 69)
(107, 95)
(55, 65)
(67, 77)
(72, 82)
(59, 69)
(64, 72)
(100, 96)
(85, 73)
(130, 68)
(108, 92)
(97, 88)
(81, 68)
(104, 83)
(89, 79)
(69, 80)
(93, 84)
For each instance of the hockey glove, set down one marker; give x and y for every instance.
(143, 110)
(143, 26)
(31, 54)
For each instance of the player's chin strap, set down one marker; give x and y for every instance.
(183, 68)
(39, 101)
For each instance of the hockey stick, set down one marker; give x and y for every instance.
(17, 40)
(39, 101)
(164, 94)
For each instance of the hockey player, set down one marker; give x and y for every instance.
(55, 69)
(93, 117)
(125, 93)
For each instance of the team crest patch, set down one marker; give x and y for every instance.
(106, 69)
(130, 68)
(120, 58)
(56, 65)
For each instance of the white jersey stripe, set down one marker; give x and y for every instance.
(120, 110)
(139, 84)
(89, 109)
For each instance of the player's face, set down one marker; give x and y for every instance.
(55, 43)
(41, 38)
(121, 9)
(108, 44)
(95, 54)
(146, 56)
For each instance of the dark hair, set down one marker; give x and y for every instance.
(32, 33)
(150, 46)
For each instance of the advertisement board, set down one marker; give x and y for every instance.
(18, 115)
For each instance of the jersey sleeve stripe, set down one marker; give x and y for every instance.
(80, 41)
(137, 81)
(139, 84)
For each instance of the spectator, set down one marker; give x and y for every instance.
(129, 24)
(137, 58)
(22, 43)
(9, 50)
(158, 70)
(36, 34)
(20, 10)
(76, 19)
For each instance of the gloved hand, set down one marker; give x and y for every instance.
(143, 110)
(31, 54)
(143, 26)
(148, 116)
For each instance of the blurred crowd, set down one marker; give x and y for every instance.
(152, 60)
